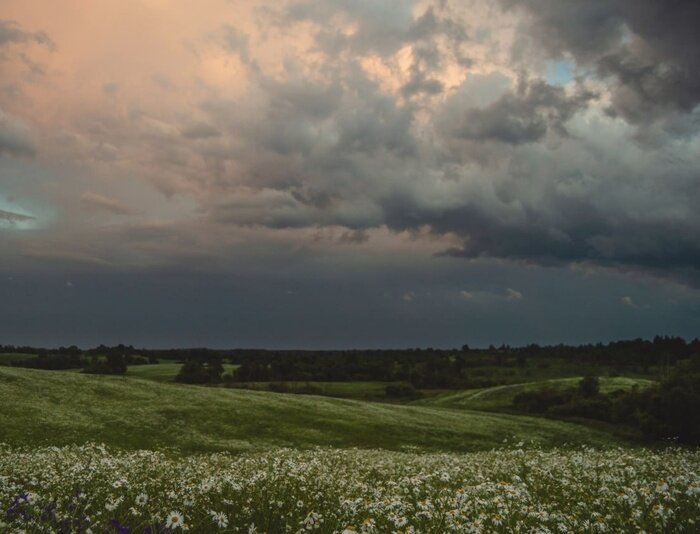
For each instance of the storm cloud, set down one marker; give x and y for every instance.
(648, 47)
(406, 146)
(523, 115)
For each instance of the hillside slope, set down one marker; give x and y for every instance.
(501, 397)
(56, 408)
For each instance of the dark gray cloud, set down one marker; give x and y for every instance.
(649, 47)
(318, 143)
(567, 222)
(523, 115)
(520, 170)
(13, 218)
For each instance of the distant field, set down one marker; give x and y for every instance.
(548, 369)
(163, 372)
(501, 397)
(58, 408)
(347, 390)
(8, 357)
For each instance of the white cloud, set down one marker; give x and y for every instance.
(512, 294)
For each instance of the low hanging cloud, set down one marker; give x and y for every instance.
(103, 203)
(628, 301)
(14, 218)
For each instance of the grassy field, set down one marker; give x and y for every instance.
(58, 408)
(501, 397)
(374, 391)
(204, 459)
(163, 372)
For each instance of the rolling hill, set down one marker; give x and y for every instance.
(58, 408)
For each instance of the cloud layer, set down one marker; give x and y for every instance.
(332, 136)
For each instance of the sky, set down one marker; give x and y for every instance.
(348, 173)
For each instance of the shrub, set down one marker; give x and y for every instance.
(402, 390)
(589, 386)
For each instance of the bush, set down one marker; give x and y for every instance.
(402, 390)
(193, 372)
(541, 400)
(309, 389)
(113, 364)
(279, 387)
(598, 408)
(589, 386)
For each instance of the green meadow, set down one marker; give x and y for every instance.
(60, 408)
(140, 452)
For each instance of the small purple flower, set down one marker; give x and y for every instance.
(118, 527)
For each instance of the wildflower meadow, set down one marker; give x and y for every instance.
(93, 488)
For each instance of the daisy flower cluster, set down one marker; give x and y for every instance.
(92, 488)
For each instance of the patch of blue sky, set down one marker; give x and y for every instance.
(23, 205)
(15, 217)
(559, 72)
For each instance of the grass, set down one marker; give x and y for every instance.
(58, 408)
(501, 397)
(163, 372)
(375, 391)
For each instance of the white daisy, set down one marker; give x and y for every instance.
(219, 518)
(175, 520)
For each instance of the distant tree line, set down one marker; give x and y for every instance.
(421, 368)
(207, 370)
(433, 368)
(100, 360)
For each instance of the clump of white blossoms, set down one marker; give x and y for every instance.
(94, 489)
